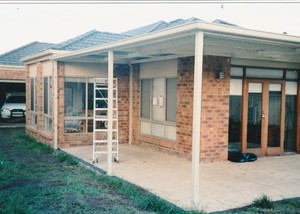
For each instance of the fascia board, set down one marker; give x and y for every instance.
(41, 56)
(14, 67)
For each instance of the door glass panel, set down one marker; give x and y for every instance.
(274, 115)
(290, 123)
(254, 115)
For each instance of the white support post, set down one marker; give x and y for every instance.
(55, 104)
(130, 103)
(110, 111)
(198, 66)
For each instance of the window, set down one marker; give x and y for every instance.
(33, 102)
(158, 107)
(47, 103)
(78, 104)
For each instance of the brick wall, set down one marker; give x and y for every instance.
(12, 73)
(37, 132)
(122, 73)
(215, 111)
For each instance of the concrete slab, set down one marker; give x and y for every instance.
(223, 185)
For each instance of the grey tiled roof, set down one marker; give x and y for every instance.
(87, 40)
(219, 21)
(161, 25)
(13, 58)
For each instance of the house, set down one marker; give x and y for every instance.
(196, 89)
(12, 69)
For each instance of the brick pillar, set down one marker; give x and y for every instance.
(122, 73)
(184, 118)
(61, 103)
(28, 91)
(40, 95)
(215, 110)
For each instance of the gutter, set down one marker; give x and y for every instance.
(15, 67)
(45, 55)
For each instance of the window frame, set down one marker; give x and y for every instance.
(84, 121)
(47, 116)
(165, 123)
(33, 102)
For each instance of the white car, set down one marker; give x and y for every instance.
(14, 106)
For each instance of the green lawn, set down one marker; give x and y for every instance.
(36, 179)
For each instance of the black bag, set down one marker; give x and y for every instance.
(241, 158)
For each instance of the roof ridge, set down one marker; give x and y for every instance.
(158, 24)
(74, 39)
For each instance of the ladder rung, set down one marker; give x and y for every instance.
(104, 141)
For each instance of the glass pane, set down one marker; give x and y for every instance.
(264, 73)
(32, 94)
(171, 105)
(236, 71)
(234, 123)
(274, 115)
(74, 126)
(50, 96)
(158, 102)
(254, 115)
(292, 75)
(290, 125)
(236, 87)
(90, 99)
(158, 130)
(46, 95)
(74, 96)
(145, 98)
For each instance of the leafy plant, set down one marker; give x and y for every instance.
(263, 202)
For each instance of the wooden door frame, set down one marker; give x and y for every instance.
(264, 150)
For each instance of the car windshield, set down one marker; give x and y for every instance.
(16, 99)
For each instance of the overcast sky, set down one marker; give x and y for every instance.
(23, 23)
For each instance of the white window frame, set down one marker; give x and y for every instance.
(33, 108)
(149, 126)
(80, 123)
(47, 116)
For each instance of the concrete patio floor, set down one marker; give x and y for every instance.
(223, 185)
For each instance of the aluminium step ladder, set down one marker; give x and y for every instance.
(100, 131)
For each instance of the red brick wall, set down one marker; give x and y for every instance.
(215, 111)
(122, 73)
(12, 73)
(37, 132)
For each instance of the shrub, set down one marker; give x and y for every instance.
(263, 202)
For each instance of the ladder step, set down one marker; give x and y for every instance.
(104, 130)
(105, 141)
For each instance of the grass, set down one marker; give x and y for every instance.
(265, 205)
(34, 178)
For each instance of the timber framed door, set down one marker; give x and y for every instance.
(263, 112)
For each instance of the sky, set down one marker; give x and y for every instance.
(21, 24)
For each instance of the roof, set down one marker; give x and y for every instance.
(88, 39)
(13, 58)
(161, 25)
(180, 41)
